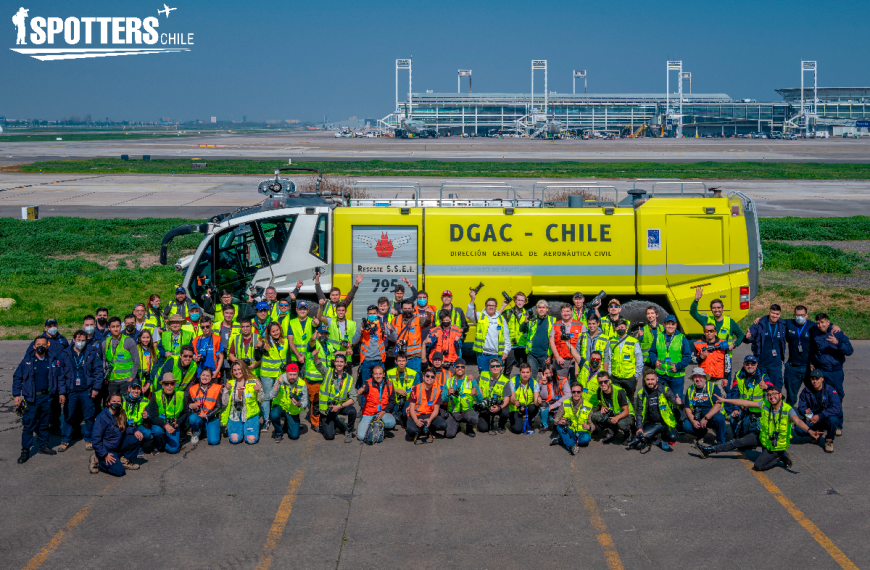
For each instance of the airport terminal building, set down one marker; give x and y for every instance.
(837, 111)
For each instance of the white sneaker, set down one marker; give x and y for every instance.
(194, 439)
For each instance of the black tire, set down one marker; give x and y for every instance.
(635, 311)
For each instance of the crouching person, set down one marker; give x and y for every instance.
(203, 400)
(289, 399)
(116, 442)
(168, 414)
(334, 398)
(821, 406)
(572, 421)
(702, 407)
(424, 410)
(377, 405)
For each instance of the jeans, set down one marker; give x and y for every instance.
(773, 369)
(415, 364)
(717, 422)
(518, 418)
(365, 421)
(169, 442)
(795, 376)
(437, 424)
(470, 417)
(81, 403)
(327, 422)
(249, 431)
(545, 415)
(266, 405)
(36, 420)
(147, 435)
(291, 422)
(623, 425)
(129, 448)
(570, 438)
(835, 378)
(674, 383)
(212, 428)
(767, 459)
(828, 425)
(536, 362)
(486, 420)
(365, 370)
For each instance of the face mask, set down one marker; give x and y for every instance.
(800, 319)
(156, 305)
(52, 331)
(41, 350)
(89, 330)
(620, 332)
(408, 313)
(102, 322)
(130, 329)
(594, 364)
(421, 302)
(80, 344)
(372, 318)
(445, 325)
(194, 317)
(116, 406)
(283, 310)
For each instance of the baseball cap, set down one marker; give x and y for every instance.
(670, 319)
(50, 322)
(698, 371)
(195, 307)
(817, 374)
(136, 383)
(180, 290)
(579, 295)
(292, 367)
(323, 329)
(750, 358)
(262, 306)
(437, 356)
(447, 293)
(167, 377)
(301, 304)
(459, 361)
(614, 302)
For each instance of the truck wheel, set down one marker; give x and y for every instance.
(635, 311)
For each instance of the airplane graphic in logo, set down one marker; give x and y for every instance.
(385, 246)
(166, 10)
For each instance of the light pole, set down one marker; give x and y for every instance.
(678, 67)
(463, 73)
(579, 73)
(688, 75)
(809, 66)
(539, 64)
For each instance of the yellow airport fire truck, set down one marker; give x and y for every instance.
(647, 249)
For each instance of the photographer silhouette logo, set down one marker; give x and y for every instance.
(73, 37)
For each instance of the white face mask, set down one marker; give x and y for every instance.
(800, 319)
(89, 330)
(80, 344)
(52, 331)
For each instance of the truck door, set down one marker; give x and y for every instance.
(241, 259)
(697, 255)
(384, 254)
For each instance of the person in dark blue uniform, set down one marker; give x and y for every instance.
(767, 338)
(36, 381)
(82, 378)
(829, 351)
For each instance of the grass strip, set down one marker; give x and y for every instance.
(85, 137)
(564, 169)
(817, 258)
(815, 229)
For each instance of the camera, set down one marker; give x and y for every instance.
(564, 334)
(318, 271)
(478, 288)
(344, 345)
(774, 438)
(605, 417)
(641, 442)
(507, 297)
(366, 324)
(524, 327)
(597, 299)
(247, 362)
(256, 291)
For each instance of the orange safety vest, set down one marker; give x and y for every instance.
(215, 348)
(554, 389)
(364, 343)
(424, 407)
(207, 399)
(374, 404)
(445, 342)
(714, 364)
(575, 329)
(412, 334)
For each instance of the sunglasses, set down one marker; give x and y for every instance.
(614, 306)
(285, 305)
(430, 376)
(169, 383)
(604, 382)
(458, 366)
(576, 391)
(495, 366)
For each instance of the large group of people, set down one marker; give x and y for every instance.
(161, 377)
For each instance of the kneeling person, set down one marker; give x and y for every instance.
(424, 410)
(334, 398)
(463, 393)
(525, 401)
(822, 407)
(572, 421)
(615, 411)
(289, 399)
(655, 411)
(701, 411)
(378, 403)
(168, 414)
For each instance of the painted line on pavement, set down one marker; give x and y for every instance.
(283, 514)
(820, 537)
(603, 536)
(62, 534)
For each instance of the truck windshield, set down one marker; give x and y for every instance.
(239, 257)
(276, 232)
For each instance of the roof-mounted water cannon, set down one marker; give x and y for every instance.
(285, 186)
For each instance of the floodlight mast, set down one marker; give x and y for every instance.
(809, 66)
(539, 64)
(403, 64)
(460, 74)
(688, 75)
(678, 67)
(579, 73)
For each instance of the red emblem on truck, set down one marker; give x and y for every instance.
(385, 246)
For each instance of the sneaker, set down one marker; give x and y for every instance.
(420, 440)
(829, 446)
(93, 464)
(501, 430)
(348, 437)
(575, 450)
(786, 460)
(544, 430)
(666, 446)
(141, 454)
(280, 437)
(530, 432)
(469, 431)
(25, 455)
(315, 429)
(553, 442)
(839, 431)
(265, 426)
(63, 447)
(89, 446)
(608, 436)
(46, 450)
(128, 465)
(155, 452)
(194, 439)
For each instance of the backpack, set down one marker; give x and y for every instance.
(375, 433)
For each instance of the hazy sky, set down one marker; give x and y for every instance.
(301, 60)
